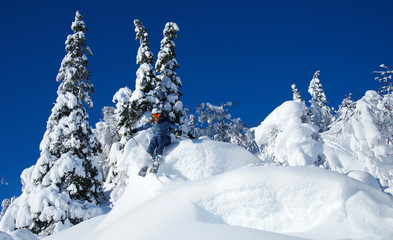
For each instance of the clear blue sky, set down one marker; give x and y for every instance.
(249, 52)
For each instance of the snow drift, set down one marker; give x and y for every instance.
(21, 234)
(185, 160)
(212, 190)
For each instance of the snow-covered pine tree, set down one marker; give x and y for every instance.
(74, 74)
(169, 83)
(213, 120)
(144, 97)
(194, 129)
(320, 114)
(65, 186)
(296, 94)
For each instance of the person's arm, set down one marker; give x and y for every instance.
(143, 127)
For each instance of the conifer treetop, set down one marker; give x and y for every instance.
(315, 89)
(296, 94)
(321, 114)
(167, 55)
(74, 73)
(144, 54)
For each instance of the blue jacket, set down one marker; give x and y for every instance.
(163, 128)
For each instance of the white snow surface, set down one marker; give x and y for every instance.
(21, 234)
(212, 190)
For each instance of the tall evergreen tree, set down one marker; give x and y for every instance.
(169, 83)
(74, 74)
(65, 185)
(144, 97)
(320, 114)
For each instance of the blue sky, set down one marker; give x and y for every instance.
(249, 52)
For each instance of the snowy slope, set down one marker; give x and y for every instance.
(199, 194)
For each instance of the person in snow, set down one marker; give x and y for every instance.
(162, 128)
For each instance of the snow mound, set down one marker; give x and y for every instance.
(5, 236)
(189, 159)
(202, 158)
(212, 190)
(185, 160)
(365, 178)
(21, 234)
(248, 203)
(290, 200)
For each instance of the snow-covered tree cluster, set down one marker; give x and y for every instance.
(358, 136)
(154, 88)
(216, 122)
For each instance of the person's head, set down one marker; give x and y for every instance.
(156, 113)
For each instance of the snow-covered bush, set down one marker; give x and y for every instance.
(284, 137)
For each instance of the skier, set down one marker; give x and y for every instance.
(162, 128)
